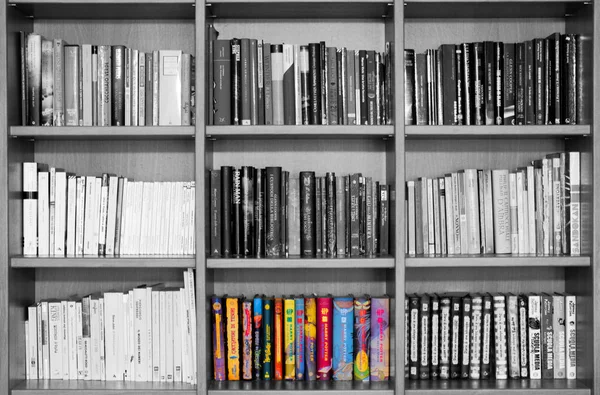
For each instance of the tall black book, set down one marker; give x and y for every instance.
(324, 223)
(466, 322)
(314, 56)
(222, 83)
(499, 84)
(236, 81)
(508, 83)
(584, 71)
(227, 196)
(236, 209)
(331, 215)
(285, 193)
(215, 213)
(259, 212)
(371, 87)
(467, 83)
(421, 91)
(478, 76)
(529, 86)
(424, 337)
(318, 218)
(570, 79)
(273, 212)
(332, 86)
(246, 83)
(305, 83)
(307, 214)
(384, 220)
(409, 87)
(520, 78)
(460, 116)
(447, 53)
(489, 82)
(362, 61)
(248, 196)
(340, 87)
(118, 85)
(354, 219)
(555, 79)
(540, 81)
(455, 337)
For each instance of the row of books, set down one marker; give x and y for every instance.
(483, 336)
(533, 210)
(104, 85)
(257, 83)
(69, 215)
(146, 334)
(268, 213)
(535, 82)
(298, 338)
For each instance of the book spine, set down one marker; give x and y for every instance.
(331, 215)
(273, 214)
(455, 337)
(289, 97)
(105, 88)
(509, 84)
(127, 85)
(293, 216)
(413, 351)
(380, 339)
(236, 210)
(324, 86)
(47, 83)
(489, 82)
(351, 86)
(547, 335)
(315, 105)
(277, 70)
(186, 76)
(218, 339)
(512, 318)
(332, 86)
(155, 85)
(259, 213)
(472, 206)
(215, 213)
(267, 342)
(434, 372)
(444, 338)
(571, 335)
(236, 81)
(247, 339)
(310, 338)
(343, 325)
(278, 340)
(118, 85)
(540, 81)
(300, 341)
(535, 341)
(523, 339)
(257, 331)
(467, 322)
(233, 340)
(500, 349)
(305, 85)
(245, 83)
(30, 201)
(226, 210)
(486, 338)
(499, 88)
(502, 219)
(570, 79)
(422, 338)
(340, 214)
(268, 83)
(384, 220)
(409, 87)
(476, 332)
(289, 338)
(34, 78)
(520, 83)
(307, 209)
(260, 74)
(449, 85)
(574, 218)
(529, 83)
(72, 70)
(324, 338)
(148, 89)
(479, 81)
(468, 83)
(362, 334)
(247, 206)
(253, 82)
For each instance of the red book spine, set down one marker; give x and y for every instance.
(278, 339)
(324, 338)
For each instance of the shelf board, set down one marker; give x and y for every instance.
(150, 261)
(299, 131)
(500, 131)
(301, 263)
(56, 387)
(477, 9)
(103, 132)
(504, 387)
(496, 261)
(303, 387)
(314, 9)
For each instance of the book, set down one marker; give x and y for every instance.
(118, 85)
(267, 335)
(299, 321)
(324, 349)
(409, 87)
(380, 339)
(534, 333)
(513, 345)
(30, 209)
(422, 337)
(559, 340)
(278, 339)
(343, 331)
(486, 337)
(289, 338)
(310, 338)
(307, 212)
(71, 92)
(47, 83)
(500, 344)
(501, 206)
(246, 339)
(415, 331)
(476, 336)
(362, 333)
(170, 81)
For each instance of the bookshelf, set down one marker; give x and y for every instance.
(388, 153)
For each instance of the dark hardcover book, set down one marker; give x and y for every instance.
(318, 218)
(529, 85)
(478, 76)
(546, 324)
(33, 66)
(520, 83)
(331, 215)
(555, 79)
(340, 87)
(149, 93)
(424, 341)
(253, 81)
(354, 220)
(273, 212)
(289, 95)
(379, 89)
(467, 83)
(245, 82)
(305, 85)
(211, 35)
(347, 208)
(540, 81)
(47, 81)
(409, 87)
(314, 57)
(24, 78)
(332, 84)
(439, 92)
(222, 83)
(362, 215)
(215, 213)
(431, 86)
(324, 110)
(362, 62)
(466, 323)
(413, 351)
(248, 196)
(369, 216)
(118, 85)
(267, 339)
(487, 330)
(384, 220)
(489, 82)
(570, 79)
(307, 212)
(458, 54)
(324, 224)
(236, 211)
(421, 91)
(508, 84)
(445, 339)
(259, 213)
(227, 215)
(447, 54)
(267, 76)
(455, 337)
(371, 89)
(549, 82)
(260, 81)
(434, 365)
(523, 337)
(285, 194)
(499, 85)
(584, 71)
(236, 81)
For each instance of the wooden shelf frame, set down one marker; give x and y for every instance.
(56, 387)
(141, 262)
(482, 261)
(301, 263)
(301, 387)
(103, 132)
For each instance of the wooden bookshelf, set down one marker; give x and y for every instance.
(141, 262)
(303, 387)
(103, 133)
(35, 387)
(510, 387)
(299, 132)
(496, 261)
(301, 263)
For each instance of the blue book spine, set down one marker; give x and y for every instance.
(257, 328)
(299, 338)
(343, 331)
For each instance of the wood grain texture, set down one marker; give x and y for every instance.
(140, 262)
(505, 387)
(59, 387)
(477, 261)
(103, 133)
(303, 387)
(299, 132)
(301, 263)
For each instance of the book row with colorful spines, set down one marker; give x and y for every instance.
(486, 336)
(104, 85)
(535, 82)
(257, 83)
(69, 215)
(270, 213)
(531, 210)
(147, 334)
(301, 338)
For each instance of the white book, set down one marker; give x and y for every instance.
(163, 237)
(556, 206)
(574, 219)
(90, 186)
(32, 344)
(72, 339)
(125, 338)
(428, 200)
(71, 211)
(86, 65)
(489, 212)
(27, 352)
(155, 93)
(65, 339)
(112, 304)
(30, 209)
(79, 339)
(96, 215)
(169, 338)
(531, 210)
(514, 221)
(156, 336)
(410, 221)
(512, 320)
(95, 339)
(443, 236)
(87, 337)
(167, 226)
(147, 217)
(163, 335)
(130, 208)
(500, 349)
(436, 216)
(42, 331)
(148, 315)
(102, 336)
(55, 340)
(192, 218)
(185, 226)
(559, 341)
(138, 218)
(123, 242)
(142, 89)
(169, 94)
(456, 212)
(172, 217)
(186, 76)
(43, 214)
(87, 358)
(547, 206)
(177, 343)
(52, 208)
(476, 326)
(80, 214)
(131, 332)
(186, 354)
(449, 215)
(139, 300)
(111, 220)
(472, 211)
(534, 304)
(462, 206)
(191, 290)
(103, 214)
(523, 248)
(135, 88)
(502, 225)
(127, 97)
(571, 335)
(60, 224)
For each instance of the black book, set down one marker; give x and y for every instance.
(246, 82)
(487, 333)
(215, 213)
(332, 86)
(259, 212)
(584, 71)
(447, 53)
(362, 62)
(413, 351)
(409, 87)
(389, 81)
(222, 82)
(324, 240)
(369, 216)
(499, 85)
(323, 50)
(455, 337)
(314, 57)
(273, 212)
(570, 79)
(466, 323)
(340, 87)
(307, 214)
(236, 81)
(331, 215)
(248, 196)
(305, 85)
(555, 77)
(354, 220)
(424, 337)
(347, 208)
(268, 82)
(549, 355)
(289, 92)
(421, 91)
(460, 117)
(285, 193)
(523, 336)
(520, 78)
(434, 364)
(379, 89)
(540, 81)
(362, 232)
(318, 218)
(431, 87)
(227, 216)
(529, 86)
(371, 89)
(467, 83)
(118, 85)
(478, 76)
(549, 82)
(508, 84)
(261, 80)
(489, 82)
(237, 215)
(384, 220)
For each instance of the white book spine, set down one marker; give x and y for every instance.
(148, 316)
(191, 291)
(125, 339)
(547, 206)
(131, 337)
(535, 341)
(156, 336)
(103, 215)
(444, 340)
(472, 211)
(424, 215)
(526, 230)
(462, 203)
(32, 347)
(112, 302)
(531, 210)
(558, 324)
(298, 85)
(102, 340)
(489, 212)
(55, 340)
(443, 236)
(169, 336)
(155, 94)
(449, 215)
(571, 335)
(65, 339)
(111, 221)
(476, 322)
(79, 340)
(41, 331)
(514, 227)
(87, 358)
(456, 213)
(72, 339)
(43, 213)
(575, 205)
(163, 335)
(513, 337)
(71, 210)
(30, 209)
(27, 352)
(522, 236)
(135, 87)
(556, 207)
(177, 343)
(437, 236)
(97, 211)
(95, 339)
(127, 71)
(411, 218)
(80, 216)
(90, 185)
(60, 214)
(139, 300)
(430, 217)
(86, 55)
(142, 89)
(186, 344)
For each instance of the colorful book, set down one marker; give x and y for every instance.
(289, 337)
(233, 340)
(299, 322)
(380, 339)
(324, 332)
(218, 339)
(278, 339)
(310, 338)
(247, 339)
(257, 325)
(362, 335)
(343, 330)
(267, 343)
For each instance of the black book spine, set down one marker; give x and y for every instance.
(424, 337)
(237, 212)
(253, 81)
(466, 337)
(215, 213)
(248, 211)
(24, 79)
(409, 87)
(236, 81)
(211, 79)
(389, 81)
(362, 61)
(384, 220)
(347, 208)
(584, 72)
(118, 85)
(273, 212)
(305, 83)
(478, 75)
(448, 58)
(331, 215)
(421, 91)
(431, 87)
(379, 89)
(246, 83)
(549, 84)
(318, 217)
(570, 79)
(499, 85)
(413, 351)
(324, 227)
(540, 81)
(227, 202)
(434, 364)
(259, 213)
(468, 86)
(557, 62)
(529, 83)
(222, 83)
(268, 82)
(289, 93)
(340, 94)
(439, 90)
(455, 337)
(460, 116)
(362, 234)
(332, 83)
(520, 78)
(354, 219)
(285, 189)
(324, 88)
(487, 330)
(261, 81)
(508, 83)
(489, 82)
(307, 212)
(523, 338)
(314, 53)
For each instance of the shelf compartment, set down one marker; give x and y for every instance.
(497, 261)
(474, 9)
(43, 387)
(300, 131)
(314, 9)
(103, 132)
(301, 263)
(150, 261)
(504, 387)
(500, 131)
(303, 387)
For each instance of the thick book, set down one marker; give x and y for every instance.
(47, 83)
(444, 338)
(305, 85)
(554, 77)
(268, 87)
(245, 83)
(512, 332)
(226, 211)
(413, 350)
(299, 332)
(315, 105)
(540, 75)
(534, 315)
(330, 215)
(343, 330)
(478, 77)
(508, 84)
(583, 78)
(236, 213)
(293, 217)
(423, 338)
(273, 212)
(455, 337)
(489, 82)
(421, 91)
(574, 207)
(233, 340)
(447, 52)
(310, 338)
(362, 335)
(502, 221)
(487, 337)
(33, 68)
(466, 322)
(277, 72)
(569, 104)
(468, 91)
(409, 87)
(267, 340)
(257, 336)
(72, 75)
(324, 338)
(170, 82)
(307, 214)
(475, 336)
(547, 335)
(380, 339)
(118, 85)
(500, 343)
(215, 213)
(434, 364)
(253, 82)
(571, 335)
(340, 214)
(236, 81)
(248, 194)
(529, 83)
(289, 97)
(371, 88)
(523, 312)
(520, 83)
(278, 339)
(289, 338)
(222, 83)
(30, 209)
